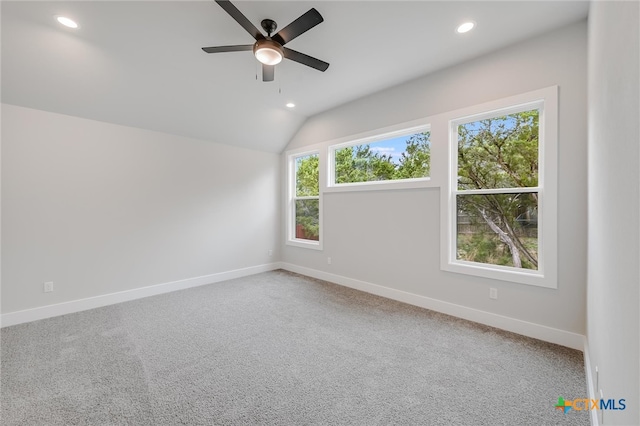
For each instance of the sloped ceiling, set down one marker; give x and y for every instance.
(140, 64)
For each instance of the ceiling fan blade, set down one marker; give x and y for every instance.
(240, 18)
(301, 25)
(236, 48)
(268, 72)
(305, 59)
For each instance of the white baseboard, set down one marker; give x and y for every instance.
(548, 334)
(593, 414)
(28, 315)
(537, 331)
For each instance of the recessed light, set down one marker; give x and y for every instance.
(465, 27)
(291, 105)
(67, 22)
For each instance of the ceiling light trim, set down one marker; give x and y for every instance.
(67, 22)
(268, 52)
(465, 27)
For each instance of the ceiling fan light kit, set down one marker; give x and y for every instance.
(270, 50)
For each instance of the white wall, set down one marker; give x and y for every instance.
(99, 208)
(614, 208)
(392, 238)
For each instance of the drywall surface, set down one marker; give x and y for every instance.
(391, 238)
(613, 328)
(98, 208)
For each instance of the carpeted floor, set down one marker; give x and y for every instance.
(280, 349)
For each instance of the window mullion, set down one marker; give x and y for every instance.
(516, 190)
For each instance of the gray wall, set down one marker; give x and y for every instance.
(392, 238)
(614, 210)
(99, 208)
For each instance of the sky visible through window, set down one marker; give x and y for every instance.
(393, 147)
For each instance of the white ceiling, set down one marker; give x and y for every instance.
(140, 64)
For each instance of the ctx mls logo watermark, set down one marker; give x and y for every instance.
(582, 404)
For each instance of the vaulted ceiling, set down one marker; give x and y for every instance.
(140, 63)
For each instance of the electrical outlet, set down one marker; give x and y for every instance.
(270, 252)
(493, 293)
(48, 286)
(328, 261)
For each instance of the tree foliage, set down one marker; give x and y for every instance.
(360, 163)
(307, 181)
(415, 161)
(307, 211)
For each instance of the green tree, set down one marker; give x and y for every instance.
(307, 181)
(307, 211)
(500, 152)
(361, 163)
(415, 161)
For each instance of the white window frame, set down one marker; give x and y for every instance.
(290, 227)
(546, 101)
(377, 136)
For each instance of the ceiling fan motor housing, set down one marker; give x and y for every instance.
(269, 25)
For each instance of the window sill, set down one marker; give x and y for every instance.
(308, 244)
(383, 185)
(503, 273)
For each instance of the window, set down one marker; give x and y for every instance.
(305, 200)
(501, 206)
(401, 155)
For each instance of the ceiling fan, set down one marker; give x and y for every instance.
(270, 50)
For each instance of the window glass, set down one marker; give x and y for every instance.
(499, 152)
(307, 176)
(500, 204)
(497, 190)
(401, 157)
(306, 201)
(499, 229)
